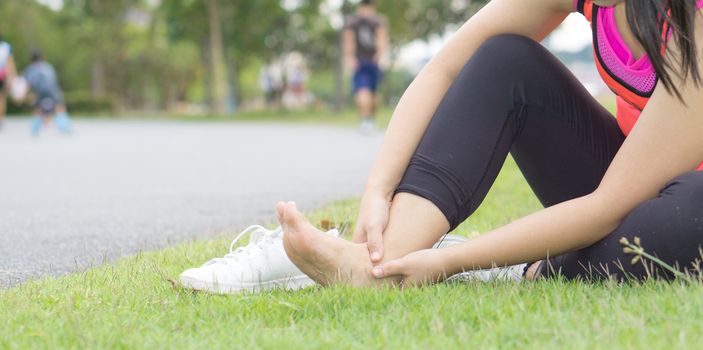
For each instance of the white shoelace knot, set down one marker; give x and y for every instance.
(259, 237)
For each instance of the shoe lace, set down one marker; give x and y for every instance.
(259, 238)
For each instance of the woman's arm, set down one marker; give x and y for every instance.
(535, 19)
(667, 141)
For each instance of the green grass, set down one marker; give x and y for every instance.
(131, 304)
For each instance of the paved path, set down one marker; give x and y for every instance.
(117, 187)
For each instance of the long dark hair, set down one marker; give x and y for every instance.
(648, 19)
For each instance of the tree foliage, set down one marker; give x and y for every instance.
(147, 54)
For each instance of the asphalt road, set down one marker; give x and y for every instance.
(114, 188)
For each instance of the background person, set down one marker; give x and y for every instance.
(8, 72)
(365, 41)
(44, 84)
(272, 83)
(297, 76)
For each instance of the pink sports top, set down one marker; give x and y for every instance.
(632, 80)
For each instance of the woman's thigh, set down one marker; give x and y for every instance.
(669, 227)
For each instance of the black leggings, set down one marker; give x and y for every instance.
(514, 96)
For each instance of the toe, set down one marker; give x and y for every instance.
(280, 209)
(294, 218)
(287, 216)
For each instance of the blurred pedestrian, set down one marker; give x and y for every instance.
(297, 76)
(365, 41)
(271, 83)
(44, 84)
(7, 75)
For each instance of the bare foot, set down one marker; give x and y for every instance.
(327, 260)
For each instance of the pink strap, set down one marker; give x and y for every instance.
(699, 5)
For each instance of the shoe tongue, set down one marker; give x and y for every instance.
(256, 235)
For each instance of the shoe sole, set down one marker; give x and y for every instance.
(289, 283)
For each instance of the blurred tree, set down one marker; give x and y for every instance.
(152, 53)
(101, 26)
(420, 20)
(233, 33)
(29, 27)
(220, 90)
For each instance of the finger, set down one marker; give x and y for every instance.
(374, 237)
(389, 268)
(359, 235)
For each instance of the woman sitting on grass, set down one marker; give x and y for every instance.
(493, 90)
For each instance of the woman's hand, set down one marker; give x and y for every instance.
(372, 221)
(419, 268)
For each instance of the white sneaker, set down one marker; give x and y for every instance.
(263, 265)
(449, 240)
(260, 265)
(508, 273)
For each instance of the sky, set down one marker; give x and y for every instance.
(573, 35)
(53, 4)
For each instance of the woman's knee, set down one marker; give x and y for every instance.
(506, 61)
(506, 50)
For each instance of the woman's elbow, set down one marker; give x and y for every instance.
(612, 206)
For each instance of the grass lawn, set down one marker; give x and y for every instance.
(131, 304)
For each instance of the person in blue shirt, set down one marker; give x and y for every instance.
(44, 84)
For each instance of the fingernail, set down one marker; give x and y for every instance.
(377, 271)
(375, 256)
